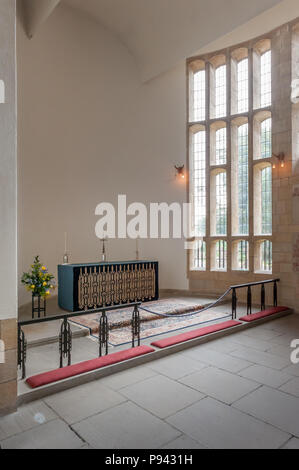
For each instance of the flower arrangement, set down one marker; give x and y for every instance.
(39, 281)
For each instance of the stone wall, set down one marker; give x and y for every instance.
(8, 208)
(8, 365)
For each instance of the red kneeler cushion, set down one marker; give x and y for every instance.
(264, 314)
(164, 343)
(87, 366)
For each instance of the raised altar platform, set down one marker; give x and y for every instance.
(95, 285)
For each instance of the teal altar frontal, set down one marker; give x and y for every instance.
(96, 285)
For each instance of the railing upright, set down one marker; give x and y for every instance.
(234, 304)
(65, 342)
(275, 294)
(103, 334)
(136, 326)
(22, 351)
(249, 301)
(263, 298)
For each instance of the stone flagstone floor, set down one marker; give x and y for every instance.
(240, 391)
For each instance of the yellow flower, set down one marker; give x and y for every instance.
(44, 268)
(48, 292)
(44, 284)
(32, 287)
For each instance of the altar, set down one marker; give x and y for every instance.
(96, 285)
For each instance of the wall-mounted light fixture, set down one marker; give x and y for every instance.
(281, 158)
(180, 171)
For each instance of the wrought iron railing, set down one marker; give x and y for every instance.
(249, 286)
(65, 336)
(233, 290)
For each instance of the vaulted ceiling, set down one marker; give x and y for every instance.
(160, 33)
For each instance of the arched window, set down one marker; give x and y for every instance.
(221, 255)
(266, 200)
(197, 80)
(220, 91)
(266, 256)
(266, 78)
(243, 86)
(218, 143)
(240, 255)
(243, 255)
(243, 215)
(218, 202)
(221, 203)
(199, 105)
(240, 176)
(263, 256)
(262, 135)
(230, 157)
(263, 199)
(266, 138)
(239, 74)
(221, 146)
(199, 255)
(198, 180)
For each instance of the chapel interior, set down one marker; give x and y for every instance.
(149, 239)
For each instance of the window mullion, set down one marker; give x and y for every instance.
(250, 160)
(208, 143)
(228, 161)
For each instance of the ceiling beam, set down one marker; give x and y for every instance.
(36, 12)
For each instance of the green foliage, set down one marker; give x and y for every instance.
(39, 281)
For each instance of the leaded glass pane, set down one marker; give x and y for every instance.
(199, 255)
(243, 255)
(221, 255)
(221, 146)
(266, 256)
(266, 138)
(243, 86)
(266, 200)
(221, 204)
(266, 79)
(243, 208)
(199, 182)
(220, 89)
(199, 95)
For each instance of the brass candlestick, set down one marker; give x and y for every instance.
(66, 254)
(137, 248)
(65, 258)
(104, 254)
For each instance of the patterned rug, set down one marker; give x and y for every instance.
(123, 317)
(151, 325)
